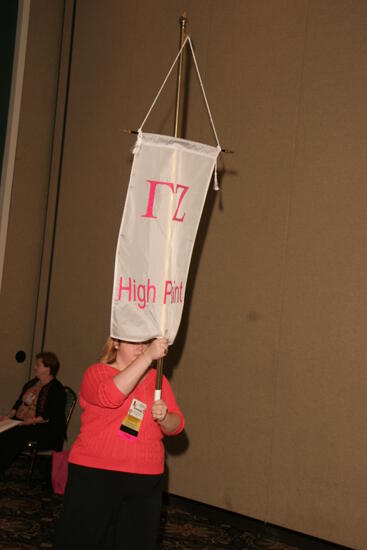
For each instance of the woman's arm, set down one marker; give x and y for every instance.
(168, 421)
(127, 379)
(171, 423)
(100, 389)
(167, 412)
(53, 408)
(18, 402)
(33, 421)
(10, 414)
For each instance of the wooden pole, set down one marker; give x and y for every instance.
(177, 128)
(178, 113)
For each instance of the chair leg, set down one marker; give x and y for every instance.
(33, 460)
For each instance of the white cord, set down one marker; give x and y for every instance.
(163, 85)
(187, 39)
(202, 89)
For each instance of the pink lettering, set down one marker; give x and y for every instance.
(167, 291)
(184, 191)
(153, 186)
(149, 289)
(124, 288)
(152, 193)
(141, 294)
(173, 292)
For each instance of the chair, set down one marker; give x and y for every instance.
(32, 450)
(71, 399)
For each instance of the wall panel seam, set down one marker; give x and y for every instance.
(283, 281)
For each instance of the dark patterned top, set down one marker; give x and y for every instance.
(50, 404)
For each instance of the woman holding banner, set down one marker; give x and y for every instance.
(114, 488)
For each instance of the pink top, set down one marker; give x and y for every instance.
(99, 443)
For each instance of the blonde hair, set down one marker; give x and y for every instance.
(109, 351)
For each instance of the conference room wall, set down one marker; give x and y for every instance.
(26, 236)
(268, 365)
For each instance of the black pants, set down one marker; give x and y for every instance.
(13, 441)
(108, 510)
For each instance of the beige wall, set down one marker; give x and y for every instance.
(25, 238)
(269, 364)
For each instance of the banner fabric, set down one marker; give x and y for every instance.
(165, 198)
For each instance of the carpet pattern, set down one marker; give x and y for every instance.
(29, 511)
(188, 531)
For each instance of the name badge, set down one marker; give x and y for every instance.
(131, 424)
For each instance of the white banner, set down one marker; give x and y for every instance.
(167, 189)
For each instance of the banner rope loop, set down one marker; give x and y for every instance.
(187, 39)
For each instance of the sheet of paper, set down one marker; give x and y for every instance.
(9, 423)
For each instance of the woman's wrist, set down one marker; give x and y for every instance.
(147, 357)
(164, 418)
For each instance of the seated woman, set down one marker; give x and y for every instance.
(41, 410)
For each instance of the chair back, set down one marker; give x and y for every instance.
(71, 399)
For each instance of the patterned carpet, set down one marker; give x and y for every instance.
(28, 511)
